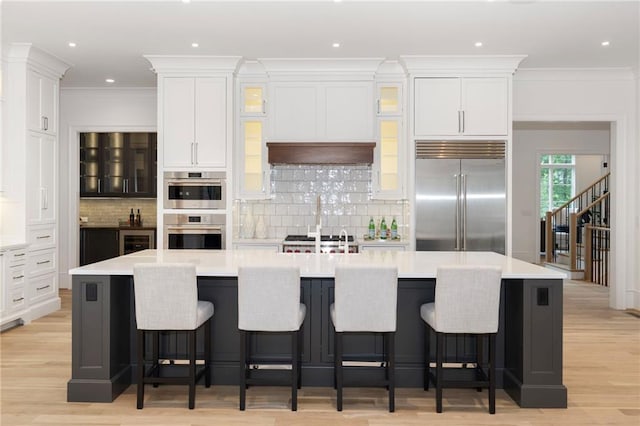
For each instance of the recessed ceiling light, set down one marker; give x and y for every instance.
(110, 80)
(605, 43)
(478, 44)
(336, 45)
(72, 44)
(194, 45)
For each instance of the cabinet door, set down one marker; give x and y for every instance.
(210, 122)
(178, 111)
(49, 104)
(485, 103)
(294, 113)
(253, 182)
(437, 106)
(389, 98)
(252, 99)
(348, 112)
(140, 165)
(42, 102)
(388, 180)
(41, 179)
(98, 244)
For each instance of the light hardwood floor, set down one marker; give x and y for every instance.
(601, 372)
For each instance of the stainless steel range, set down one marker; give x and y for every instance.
(328, 244)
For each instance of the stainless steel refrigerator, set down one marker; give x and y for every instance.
(460, 196)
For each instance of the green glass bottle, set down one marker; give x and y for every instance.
(394, 229)
(383, 229)
(372, 229)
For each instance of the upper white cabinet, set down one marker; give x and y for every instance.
(321, 111)
(42, 103)
(466, 106)
(253, 100)
(388, 164)
(194, 122)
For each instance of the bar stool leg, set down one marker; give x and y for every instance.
(140, 399)
(207, 353)
(427, 357)
(294, 371)
(192, 368)
(479, 358)
(492, 374)
(391, 366)
(299, 338)
(243, 368)
(439, 356)
(155, 345)
(338, 356)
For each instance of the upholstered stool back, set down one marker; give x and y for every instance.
(269, 298)
(467, 299)
(365, 298)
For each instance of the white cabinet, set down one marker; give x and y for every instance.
(453, 106)
(42, 103)
(41, 178)
(384, 246)
(194, 122)
(13, 291)
(253, 100)
(388, 171)
(321, 111)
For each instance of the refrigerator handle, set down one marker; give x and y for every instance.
(464, 212)
(457, 215)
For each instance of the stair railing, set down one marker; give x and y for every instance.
(562, 224)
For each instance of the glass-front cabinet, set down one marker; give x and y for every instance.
(253, 177)
(253, 100)
(388, 179)
(118, 164)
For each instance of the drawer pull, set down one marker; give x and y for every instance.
(18, 277)
(42, 288)
(42, 237)
(19, 254)
(43, 262)
(18, 300)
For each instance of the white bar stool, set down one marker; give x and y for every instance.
(467, 301)
(166, 299)
(269, 301)
(365, 301)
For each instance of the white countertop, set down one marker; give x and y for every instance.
(224, 263)
(9, 244)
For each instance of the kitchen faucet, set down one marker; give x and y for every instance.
(344, 247)
(317, 234)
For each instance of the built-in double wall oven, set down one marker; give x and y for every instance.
(194, 231)
(194, 190)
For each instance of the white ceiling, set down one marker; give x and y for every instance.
(112, 36)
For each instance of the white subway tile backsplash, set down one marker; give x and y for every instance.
(345, 193)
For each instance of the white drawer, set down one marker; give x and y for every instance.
(42, 237)
(41, 262)
(16, 275)
(16, 300)
(42, 287)
(16, 257)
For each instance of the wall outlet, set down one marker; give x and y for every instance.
(84, 219)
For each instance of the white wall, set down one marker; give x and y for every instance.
(589, 168)
(597, 95)
(530, 139)
(92, 109)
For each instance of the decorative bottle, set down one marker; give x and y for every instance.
(261, 228)
(132, 218)
(372, 229)
(249, 226)
(394, 229)
(138, 219)
(383, 229)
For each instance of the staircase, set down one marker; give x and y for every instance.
(577, 234)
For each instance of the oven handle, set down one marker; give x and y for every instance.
(190, 230)
(192, 182)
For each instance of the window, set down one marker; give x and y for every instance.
(557, 181)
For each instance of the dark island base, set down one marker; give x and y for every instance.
(529, 343)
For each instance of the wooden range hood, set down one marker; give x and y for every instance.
(320, 152)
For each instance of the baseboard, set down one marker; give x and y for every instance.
(44, 308)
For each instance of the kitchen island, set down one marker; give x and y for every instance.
(529, 343)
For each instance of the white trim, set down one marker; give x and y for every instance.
(620, 256)
(573, 74)
(73, 186)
